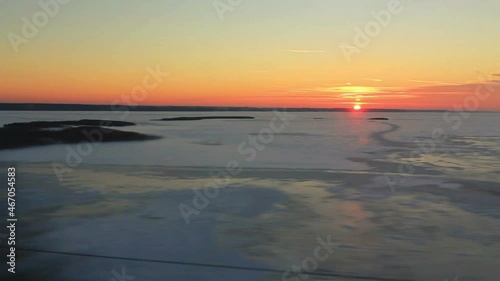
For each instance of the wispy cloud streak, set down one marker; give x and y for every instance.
(299, 51)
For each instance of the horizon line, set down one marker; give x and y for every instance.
(4, 106)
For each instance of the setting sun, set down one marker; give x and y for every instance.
(357, 107)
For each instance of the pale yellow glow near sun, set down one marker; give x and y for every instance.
(357, 89)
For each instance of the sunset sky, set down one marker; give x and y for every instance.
(433, 54)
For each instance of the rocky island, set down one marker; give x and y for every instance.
(197, 118)
(19, 135)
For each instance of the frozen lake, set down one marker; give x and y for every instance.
(414, 197)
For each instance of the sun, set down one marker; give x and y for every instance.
(357, 107)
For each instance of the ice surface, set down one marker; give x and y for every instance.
(316, 178)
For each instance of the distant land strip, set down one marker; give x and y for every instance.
(197, 118)
(102, 107)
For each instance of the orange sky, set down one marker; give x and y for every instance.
(429, 56)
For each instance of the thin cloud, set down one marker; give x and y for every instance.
(299, 51)
(371, 79)
(434, 82)
(347, 47)
(453, 89)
